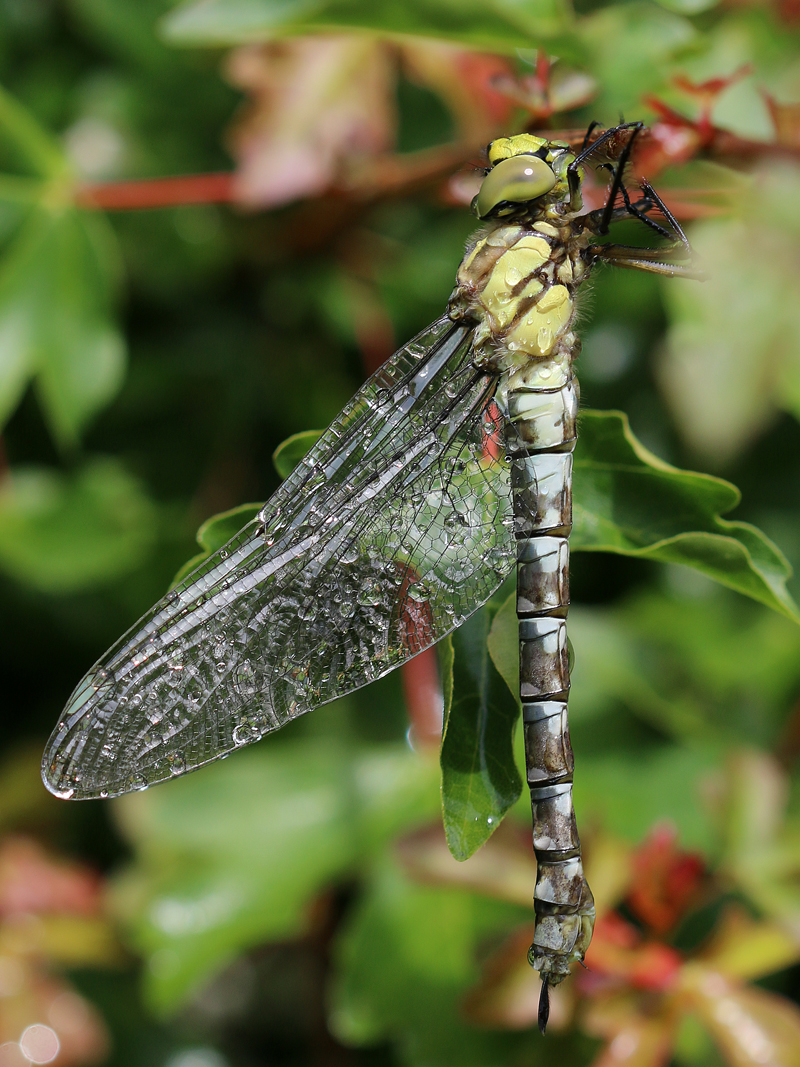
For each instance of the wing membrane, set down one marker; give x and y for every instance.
(393, 529)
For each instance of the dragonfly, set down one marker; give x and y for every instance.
(450, 468)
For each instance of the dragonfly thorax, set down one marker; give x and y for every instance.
(518, 280)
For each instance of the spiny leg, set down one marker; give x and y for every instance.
(616, 185)
(638, 211)
(573, 176)
(592, 127)
(650, 260)
(651, 194)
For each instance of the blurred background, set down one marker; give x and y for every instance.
(215, 221)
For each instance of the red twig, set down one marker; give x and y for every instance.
(158, 192)
(423, 693)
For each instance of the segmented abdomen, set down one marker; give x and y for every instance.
(540, 439)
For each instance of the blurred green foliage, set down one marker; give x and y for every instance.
(152, 361)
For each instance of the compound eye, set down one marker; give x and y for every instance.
(516, 179)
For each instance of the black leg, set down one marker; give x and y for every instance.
(625, 155)
(651, 194)
(592, 127)
(638, 211)
(588, 150)
(601, 140)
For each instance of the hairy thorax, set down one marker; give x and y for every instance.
(519, 281)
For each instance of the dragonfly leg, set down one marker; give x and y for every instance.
(652, 260)
(588, 150)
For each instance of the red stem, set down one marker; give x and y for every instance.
(158, 192)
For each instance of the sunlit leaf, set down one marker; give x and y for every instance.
(640, 1042)
(750, 1025)
(480, 781)
(746, 948)
(232, 857)
(60, 534)
(57, 285)
(732, 359)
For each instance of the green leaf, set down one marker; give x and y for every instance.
(31, 143)
(496, 25)
(687, 7)
(233, 857)
(629, 793)
(61, 534)
(57, 286)
(216, 532)
(405, 958)
(628, 501)
(503, 643)
(289, 452)
(731, 361)
(631, 49)
(23, 191)
(480, 781)
(446, 655)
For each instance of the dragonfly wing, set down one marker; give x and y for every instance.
(393, 529)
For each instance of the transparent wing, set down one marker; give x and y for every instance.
(394, 528)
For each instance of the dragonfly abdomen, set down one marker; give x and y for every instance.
(540, 445)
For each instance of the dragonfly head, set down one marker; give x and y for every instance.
(524, 169)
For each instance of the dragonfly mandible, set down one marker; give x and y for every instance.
(450, 467)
